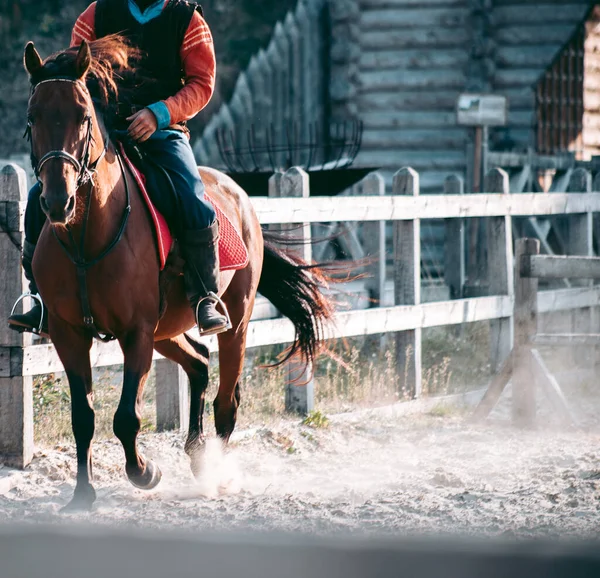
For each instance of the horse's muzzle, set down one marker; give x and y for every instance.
(59, 209)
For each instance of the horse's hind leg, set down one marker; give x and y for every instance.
(74, 352)
(137, 350)
(232, 348)
(193, 358)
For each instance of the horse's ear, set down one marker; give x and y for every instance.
(84, 59)
(33, 61)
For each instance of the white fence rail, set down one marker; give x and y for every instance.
(20, 359)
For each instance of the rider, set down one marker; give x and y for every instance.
(179, 54)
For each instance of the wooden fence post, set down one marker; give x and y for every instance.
(500, 270)
(16, 391)
(454, 266)
(407, 284)
(580, 242)
(374, 242)
(523, 382)
(172, 396)
(299, 389)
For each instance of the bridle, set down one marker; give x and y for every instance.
(85, 169)
(85, 173)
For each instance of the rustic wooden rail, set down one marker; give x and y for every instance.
(20, 359)
(525, 365)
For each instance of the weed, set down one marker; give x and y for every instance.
(316, 420)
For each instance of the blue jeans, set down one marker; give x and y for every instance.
(183, 205)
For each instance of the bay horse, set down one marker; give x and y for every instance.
(92, 202)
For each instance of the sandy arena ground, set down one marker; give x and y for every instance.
(374, 472)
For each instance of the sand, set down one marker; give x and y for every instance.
(375, 472)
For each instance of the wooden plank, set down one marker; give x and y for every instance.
(413, 59)
(172, 396)
(513, 77)
(42, 359)
(374, 241)
(547, 162)
(543, 13)
(500, 269)
(533, 34)
(567, 299)
(559, 266)
(402, 4)
(566, 339)
(580, 242)
(525, 327)
(454, 252)
(415, 138)
(437, 38)
(408, 79)
(432, 160)
(407, 284)
(394, 119)
(16, 388)
(538, 56)
(299, 389)
(388, 100)
(521, 2)
(552, 389)
(397, 208)
(495, 389)
(392, 18)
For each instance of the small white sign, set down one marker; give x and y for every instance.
(482, 110)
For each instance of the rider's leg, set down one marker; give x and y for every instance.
(34, 221)
(194, 222)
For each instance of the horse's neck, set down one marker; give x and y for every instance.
(107, 206)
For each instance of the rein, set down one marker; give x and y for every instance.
(86, 172)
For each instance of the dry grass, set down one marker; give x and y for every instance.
(359, 373)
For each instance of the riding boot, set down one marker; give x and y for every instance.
(31, 320)
(200, 250)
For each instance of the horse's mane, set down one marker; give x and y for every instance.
(114, 75)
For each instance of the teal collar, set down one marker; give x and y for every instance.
(152, 12)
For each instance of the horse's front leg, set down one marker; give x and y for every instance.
(137, 350)
(73, 348)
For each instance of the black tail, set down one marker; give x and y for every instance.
(295, 288)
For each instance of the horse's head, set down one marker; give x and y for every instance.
(61, 127)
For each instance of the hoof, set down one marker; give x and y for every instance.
(82, 501)
(150, 479)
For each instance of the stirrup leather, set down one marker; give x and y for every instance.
(218, 301)
(35, 297)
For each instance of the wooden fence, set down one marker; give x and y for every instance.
(525, 365)
(20, 358)
(283, 83)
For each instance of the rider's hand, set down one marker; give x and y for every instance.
(143, 125)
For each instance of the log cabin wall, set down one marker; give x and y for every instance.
(528, 36)
(399, 66)
(414, 58)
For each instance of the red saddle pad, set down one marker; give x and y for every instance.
(233, 253)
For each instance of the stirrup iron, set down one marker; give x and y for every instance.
(35, 297)
(218, 301)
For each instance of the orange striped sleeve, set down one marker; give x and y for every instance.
(84, 26)
(199, 67)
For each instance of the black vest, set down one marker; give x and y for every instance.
(160, 40)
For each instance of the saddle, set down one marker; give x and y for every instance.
(153, 181)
